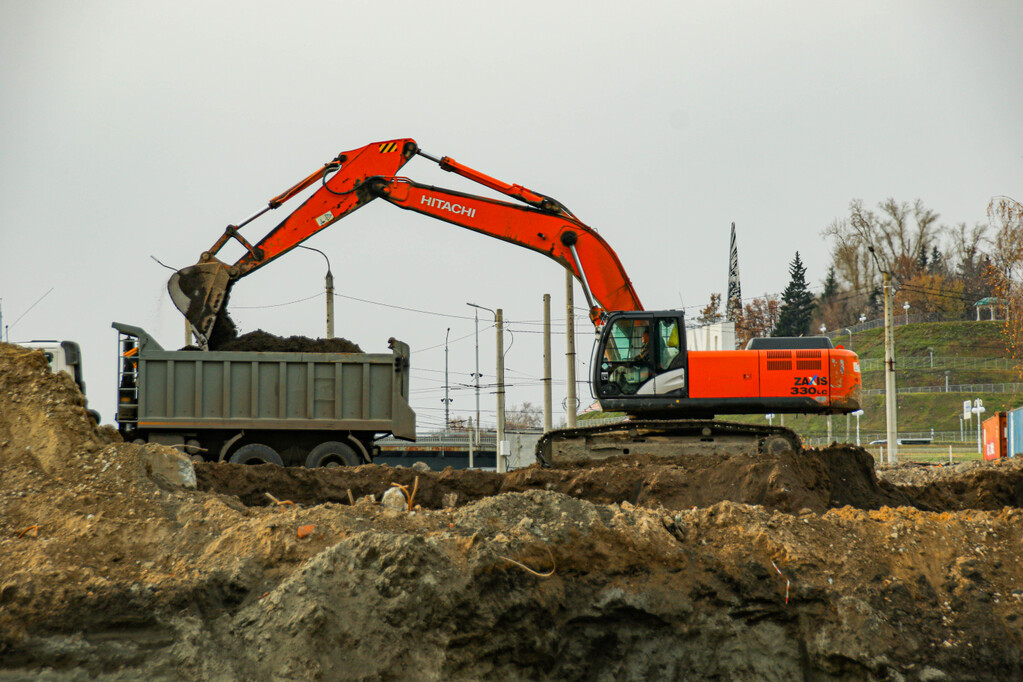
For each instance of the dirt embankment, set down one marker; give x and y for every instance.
(793, 567)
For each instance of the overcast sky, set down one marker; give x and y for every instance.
(138, 129)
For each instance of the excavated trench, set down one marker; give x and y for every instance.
(794, 566)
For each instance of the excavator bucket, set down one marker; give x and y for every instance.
(199, 292)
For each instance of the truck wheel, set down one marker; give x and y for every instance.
(256, 453)
(332, 454)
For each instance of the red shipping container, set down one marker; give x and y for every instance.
(994, 436)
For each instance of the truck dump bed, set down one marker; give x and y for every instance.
(230, 390)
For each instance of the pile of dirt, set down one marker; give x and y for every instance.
(261, 341)
(814, 480)
(794, 567)
(968, 485)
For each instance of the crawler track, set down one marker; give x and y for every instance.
(663, 437)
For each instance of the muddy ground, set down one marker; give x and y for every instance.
(116, 564)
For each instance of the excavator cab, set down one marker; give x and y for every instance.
(641, 358)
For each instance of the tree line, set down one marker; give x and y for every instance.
(935, 268)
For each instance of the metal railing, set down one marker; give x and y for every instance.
(952, 388)
(899, 320)
(941, 363)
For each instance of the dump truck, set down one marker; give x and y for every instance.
(284, 408)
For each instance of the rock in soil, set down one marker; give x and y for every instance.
(796, 566)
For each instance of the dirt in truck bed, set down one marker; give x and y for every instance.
(225, 337)
(262, 341)
(123, 561)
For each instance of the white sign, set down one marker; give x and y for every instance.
(967, 412)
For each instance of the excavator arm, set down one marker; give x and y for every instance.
(356, 177)
(556, 235)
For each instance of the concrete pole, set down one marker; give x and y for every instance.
(502, 465)
(570, 402)
(891, 408)
(447, 386)
(548, 422)
(830, 437)
(477, 377)
(330, 304)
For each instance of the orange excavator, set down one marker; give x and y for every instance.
(641, 363)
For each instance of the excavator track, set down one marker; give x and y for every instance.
(663, 438)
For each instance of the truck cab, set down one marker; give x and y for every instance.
(63, 356)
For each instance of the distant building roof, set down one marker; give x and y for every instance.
(990, 300)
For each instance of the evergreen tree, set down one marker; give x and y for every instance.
(830, 286)
(797, 303)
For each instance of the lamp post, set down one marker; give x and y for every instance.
(905, 306)
(863, 318)
(849, 332)
(330, 291)
(501, 445)
(978, 409)
(858, 414)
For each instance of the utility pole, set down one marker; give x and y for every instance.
(502, 444)
(447, 386)
(330, 302)
(891, 408)
(548, 422)
(477, 374)
(570, 403)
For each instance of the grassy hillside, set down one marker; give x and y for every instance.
(970, 339)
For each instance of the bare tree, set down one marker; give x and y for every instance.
(1005, 274)
(526, 416)
(901, 234)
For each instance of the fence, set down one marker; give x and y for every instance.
(899, 319)
(952, 388)
(940, 362)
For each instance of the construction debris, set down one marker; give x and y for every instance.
(791, 566)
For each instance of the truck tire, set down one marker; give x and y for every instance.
(256, 453)
(332, 454)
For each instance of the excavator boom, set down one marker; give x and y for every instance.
(354, 178)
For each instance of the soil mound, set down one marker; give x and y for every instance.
(816, 480)
(112, 566)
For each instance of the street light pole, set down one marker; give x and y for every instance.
(329, 281)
